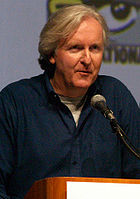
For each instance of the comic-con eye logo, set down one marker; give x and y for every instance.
(120, 14)
(123, 19)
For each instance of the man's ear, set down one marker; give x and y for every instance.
(52, 60)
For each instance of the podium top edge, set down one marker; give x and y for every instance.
(90, 179)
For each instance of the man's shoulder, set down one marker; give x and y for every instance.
(24, 87)
(24, 84)
(112, 87)
(111, 82)
(109, 79)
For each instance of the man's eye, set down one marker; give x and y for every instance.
(75, 47)
(94, 47)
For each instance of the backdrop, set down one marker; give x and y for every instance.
(22, 21)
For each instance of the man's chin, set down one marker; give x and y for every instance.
(85, 83)
(82, 85)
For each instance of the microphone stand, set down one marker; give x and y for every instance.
(117, 129)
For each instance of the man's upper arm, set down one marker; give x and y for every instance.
(7, 142)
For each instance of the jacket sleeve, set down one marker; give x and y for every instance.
(7, 141)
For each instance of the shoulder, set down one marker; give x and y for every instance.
(109, 80)
(22, 89)
(24, 83)
(115, 91)
(112, 84)
(119, 98)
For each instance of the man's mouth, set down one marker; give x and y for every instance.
(84, 72)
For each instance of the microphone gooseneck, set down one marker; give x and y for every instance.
(99, 103)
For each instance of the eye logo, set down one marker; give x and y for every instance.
(120, 16)
(123, 19)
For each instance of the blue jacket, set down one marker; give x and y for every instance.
(39, 138)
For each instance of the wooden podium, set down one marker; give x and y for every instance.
(56, 188)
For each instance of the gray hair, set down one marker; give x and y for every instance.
(62, 24)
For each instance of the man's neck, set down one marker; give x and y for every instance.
(68, 91)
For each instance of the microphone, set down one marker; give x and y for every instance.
(99, 102)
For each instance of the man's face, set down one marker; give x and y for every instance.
(79, 59)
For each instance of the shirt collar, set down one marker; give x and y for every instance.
(52, 96)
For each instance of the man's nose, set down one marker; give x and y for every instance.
(86, 57)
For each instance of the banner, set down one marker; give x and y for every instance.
(22, 21)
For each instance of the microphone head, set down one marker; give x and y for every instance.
(99, 103)
(97, 99)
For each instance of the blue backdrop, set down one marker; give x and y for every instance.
(22, 21)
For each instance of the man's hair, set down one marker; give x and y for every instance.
(61, 25)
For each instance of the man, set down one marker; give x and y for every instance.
(47, 125)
